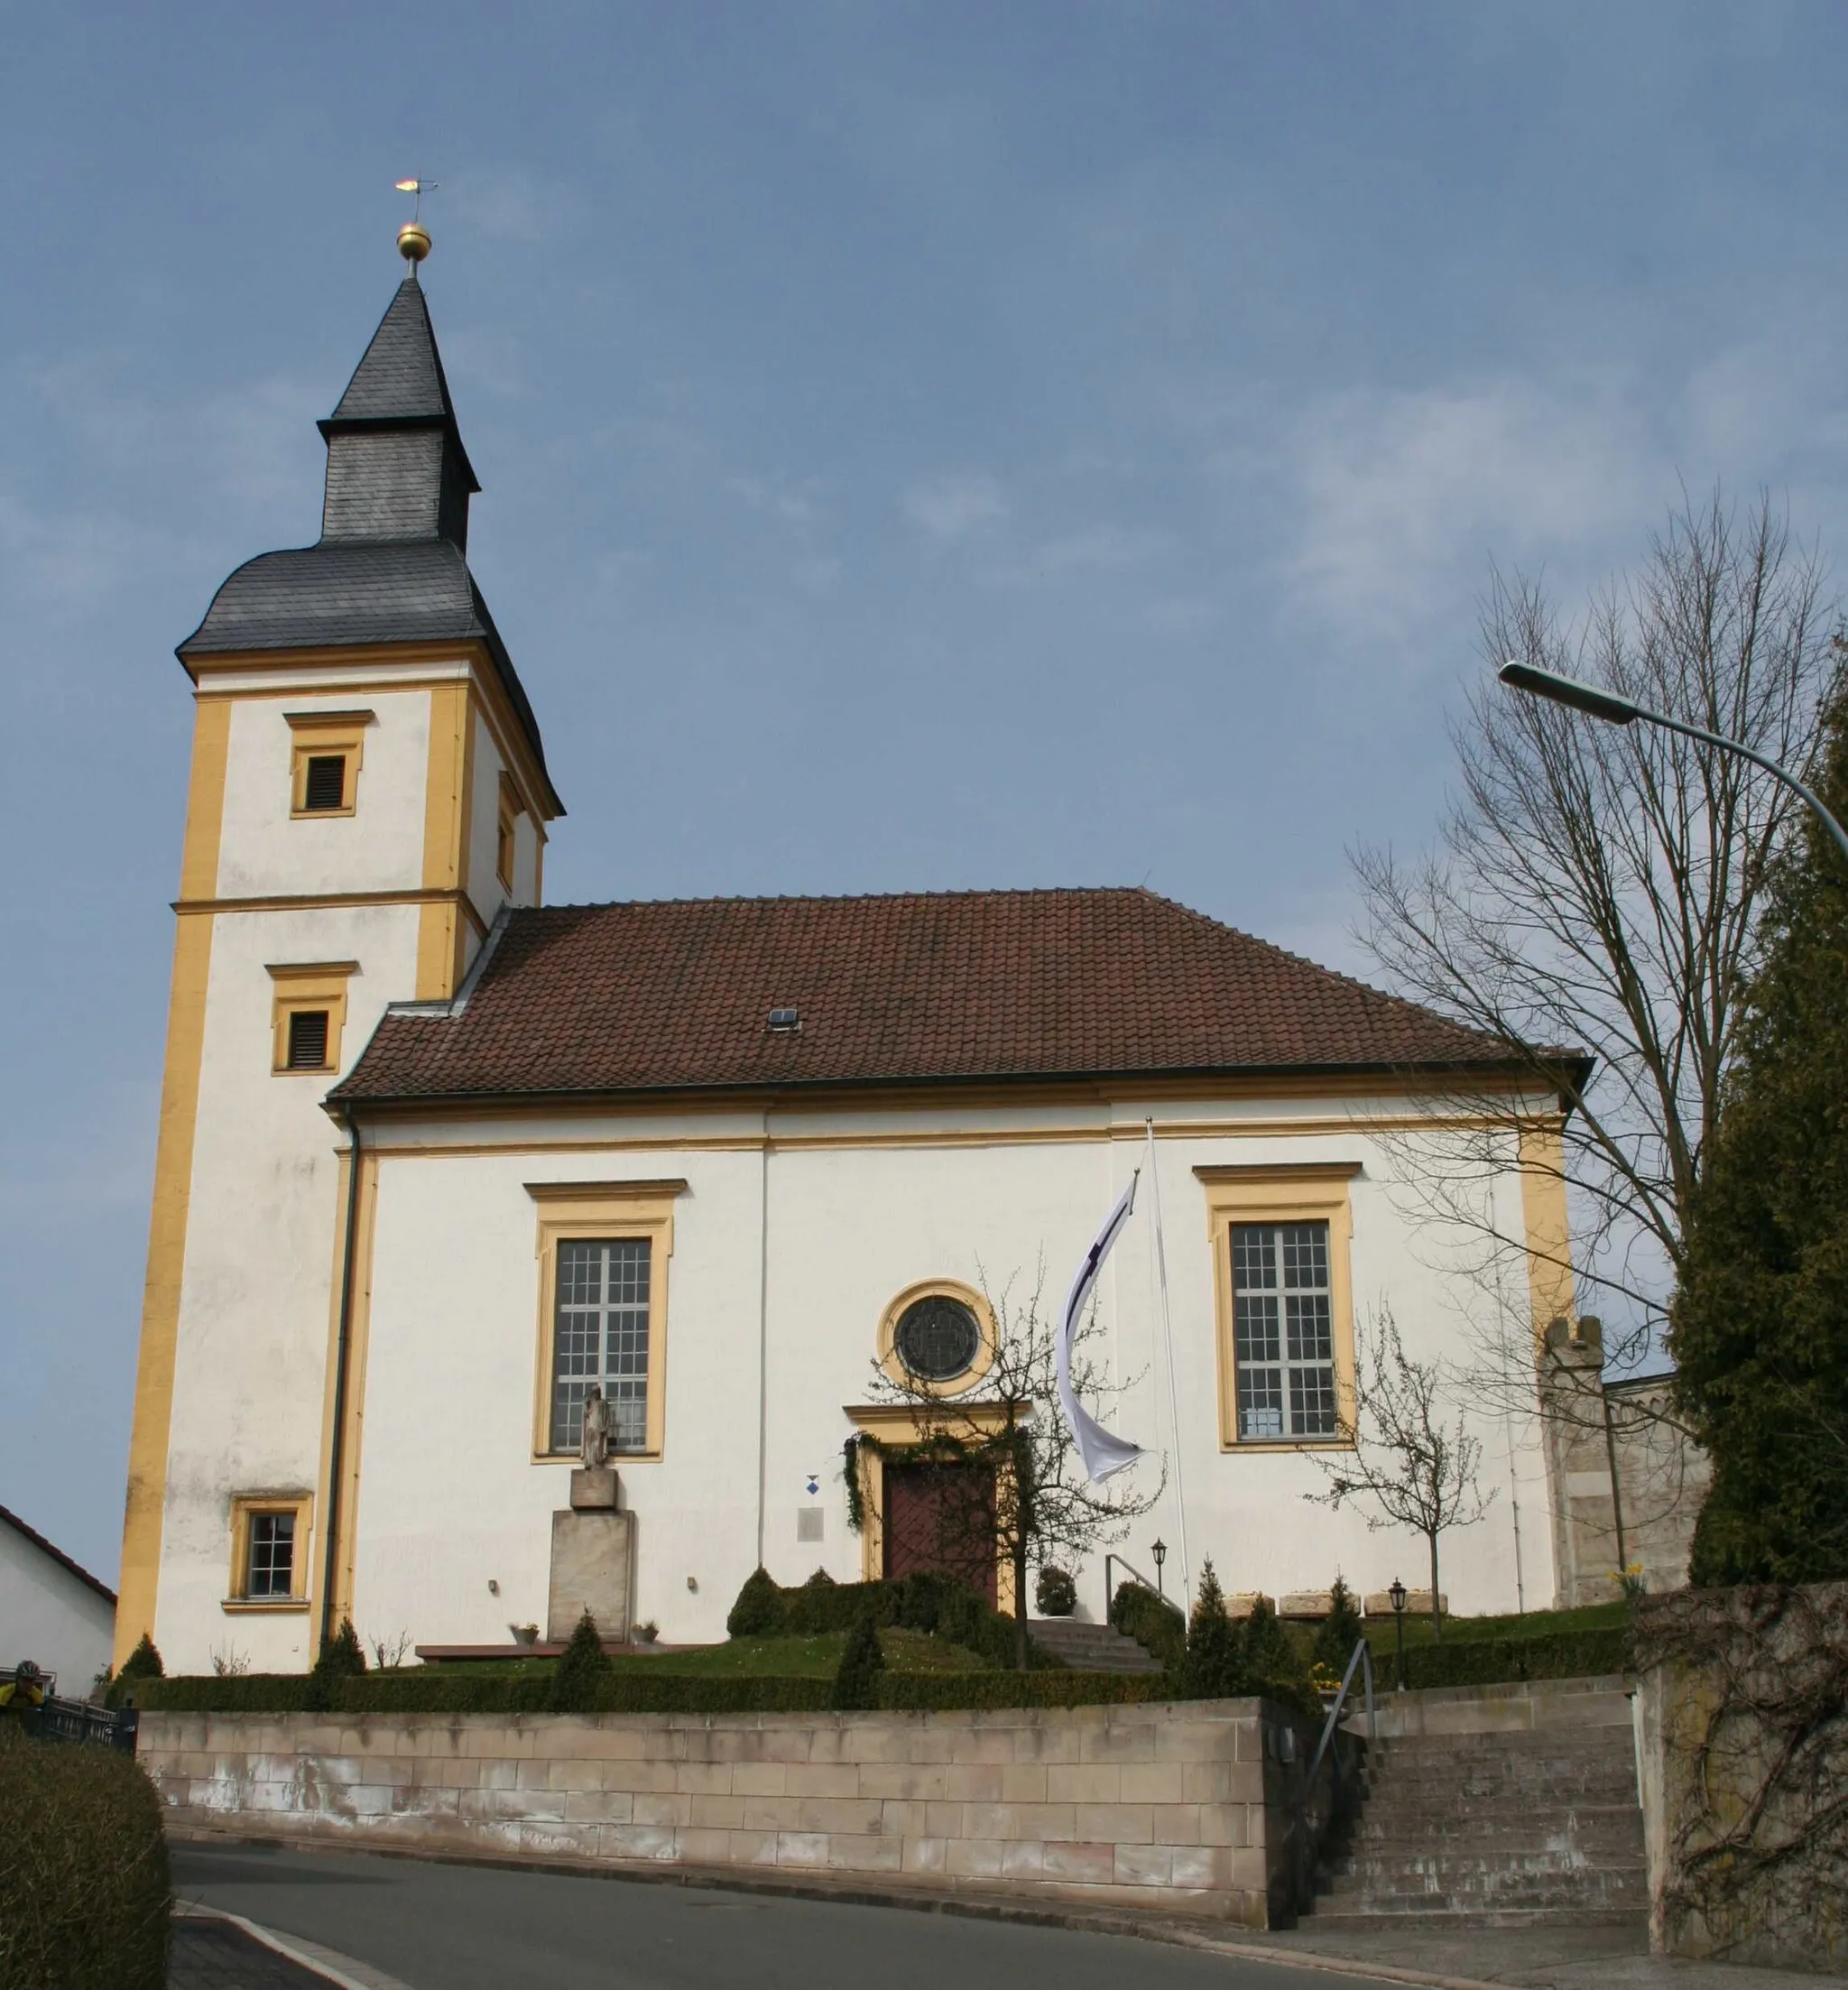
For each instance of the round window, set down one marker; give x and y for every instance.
(937, 1337)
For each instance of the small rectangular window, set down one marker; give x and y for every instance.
(1283, 1331)
(324, 783)
(504, 838)
(600, 1335)
(270, 1571)
(308, 1039)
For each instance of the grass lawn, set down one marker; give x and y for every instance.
(816, 1657)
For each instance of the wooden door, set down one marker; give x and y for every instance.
(941, 1518)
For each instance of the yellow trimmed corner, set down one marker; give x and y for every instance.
(441, 940)
(139, 1583)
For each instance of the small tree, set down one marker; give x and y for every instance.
(857, 1680)
(1418, 1470)
(583, 1666)
(1340, 1630)
(143, 1661)
(1214, 1666)
(758, 1610)
(1024, 1496)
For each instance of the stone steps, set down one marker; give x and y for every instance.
(1526, 1822)
(1091, 1647)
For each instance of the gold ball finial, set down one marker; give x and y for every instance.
(413, 242)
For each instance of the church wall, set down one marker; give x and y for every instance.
(265, 852)
(450, 1497)
(250, 1360)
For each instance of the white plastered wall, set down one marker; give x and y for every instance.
(485, 890)
(450, 1499)
(265, 851)
(51, 1616)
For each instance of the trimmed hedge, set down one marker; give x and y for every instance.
(949, 1692)
(1157, 1627)
(84, 1890)
(937, 1605)
(1461, 1660)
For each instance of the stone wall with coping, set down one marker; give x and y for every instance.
(1188, 1806)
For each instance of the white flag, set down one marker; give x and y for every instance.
(1103, 1451)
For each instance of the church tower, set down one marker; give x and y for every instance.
(368, 791)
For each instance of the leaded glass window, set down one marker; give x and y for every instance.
(272, 1569)
(600, 1334)
(937, 1337)
(1283, 1331)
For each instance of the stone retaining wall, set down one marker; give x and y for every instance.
(1187, 1807)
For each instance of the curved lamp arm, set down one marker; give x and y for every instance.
(1623, 711)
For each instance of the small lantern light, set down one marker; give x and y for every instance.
(1160, 1551)
(1397, 1592)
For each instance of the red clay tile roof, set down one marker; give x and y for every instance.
(907, 989)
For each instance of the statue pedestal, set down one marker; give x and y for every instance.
(593, 1489)
(592, 1557)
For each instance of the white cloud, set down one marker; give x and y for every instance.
(950, 508)
(1404, 497)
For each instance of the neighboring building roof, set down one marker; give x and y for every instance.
(58, 1555)
(391, 565)
(913, 988)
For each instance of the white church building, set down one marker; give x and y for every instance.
(435, 1156)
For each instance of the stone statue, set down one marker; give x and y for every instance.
(595, 1442)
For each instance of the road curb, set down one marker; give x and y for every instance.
(329, 1963)
(1207, 1937)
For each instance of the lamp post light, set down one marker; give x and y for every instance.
(1397, 1592)
(1160, 1551)
(1625, 711)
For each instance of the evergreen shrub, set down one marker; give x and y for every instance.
(84, 1891)
(1338, 1633)
(583, 1668)
(856, 1678)
(758, 1609)
(1158, 1626)
(143, 1661)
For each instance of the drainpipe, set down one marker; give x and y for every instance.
(349, 1258)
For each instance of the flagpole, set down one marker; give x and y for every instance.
(1180, 1497)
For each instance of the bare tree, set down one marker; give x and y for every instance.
(1418, 1470)
(1013, 1488)
(1592, 909)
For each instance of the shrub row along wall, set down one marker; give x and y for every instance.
(1184, 1806)
(1743, 1732)
(435, 1690)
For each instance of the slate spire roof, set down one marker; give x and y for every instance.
(913, 989)
(391, 565)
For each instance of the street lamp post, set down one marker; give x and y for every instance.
(1160, 1551)
(1625, 711)
(1396, 1593)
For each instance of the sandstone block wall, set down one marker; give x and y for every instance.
(1187, 1807)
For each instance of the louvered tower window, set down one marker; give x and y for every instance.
(308, 1039)
(324, 783)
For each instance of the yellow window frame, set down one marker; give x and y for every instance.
(320, 736)
(603, 1212)
(1310, 1191)
(244, 1508)
(313, 985)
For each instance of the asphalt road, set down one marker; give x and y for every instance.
(485, 1927)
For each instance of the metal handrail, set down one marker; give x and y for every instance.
(1362, 1658)
(1154, 1589)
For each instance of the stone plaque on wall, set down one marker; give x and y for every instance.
(591, 1561)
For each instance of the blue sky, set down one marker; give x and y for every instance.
(923, 446)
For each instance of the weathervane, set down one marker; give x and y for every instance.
(413, 238)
